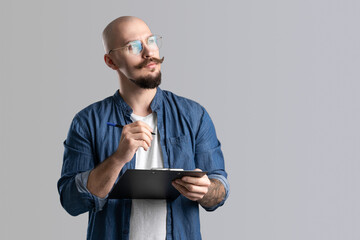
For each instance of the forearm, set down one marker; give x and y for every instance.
(216, 193)
(103, 177)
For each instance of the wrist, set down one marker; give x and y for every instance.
(117, 160)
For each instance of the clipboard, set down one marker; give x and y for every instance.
(149, 184)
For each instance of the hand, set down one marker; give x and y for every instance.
(133, 136)
(193, 188)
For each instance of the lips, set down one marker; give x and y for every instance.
(152, 64)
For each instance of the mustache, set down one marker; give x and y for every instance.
(149, 60)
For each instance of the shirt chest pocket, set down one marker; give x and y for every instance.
(180, 152)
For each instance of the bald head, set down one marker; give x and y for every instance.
(122, 30)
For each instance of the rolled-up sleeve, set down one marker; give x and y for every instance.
(208, 155)
(81, 183)
(78, 161)
(225, 182)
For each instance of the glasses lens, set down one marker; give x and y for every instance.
(135, 47)
(154, 42)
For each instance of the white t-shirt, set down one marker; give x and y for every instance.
(148, 217)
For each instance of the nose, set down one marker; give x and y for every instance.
(147, 52)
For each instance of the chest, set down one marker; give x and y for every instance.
(175, 143)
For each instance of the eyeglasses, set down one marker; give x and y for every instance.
(135, 47)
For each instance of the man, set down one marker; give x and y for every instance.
(97, 154)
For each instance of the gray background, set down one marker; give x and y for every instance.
(280, 80)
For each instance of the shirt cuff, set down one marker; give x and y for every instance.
(225, 182)
(81, 180)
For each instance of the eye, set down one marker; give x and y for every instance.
(152, 40)
(135, 47)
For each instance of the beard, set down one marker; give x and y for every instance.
(149, 82)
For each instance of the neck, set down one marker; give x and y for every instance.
(137, 98)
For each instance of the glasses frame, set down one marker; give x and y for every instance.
(142, 44)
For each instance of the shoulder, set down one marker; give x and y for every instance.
(188, 106)
(185, 110)
(93, 111)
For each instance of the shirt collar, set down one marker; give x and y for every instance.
(155, 103)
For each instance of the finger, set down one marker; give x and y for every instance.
(183, 191)
(142, 124)
(186, 193)
(193, 188)
(135, 144)
(141, 137)
(140, 129)
(201, 181)
(144, 145)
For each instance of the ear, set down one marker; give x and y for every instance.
(110, 62)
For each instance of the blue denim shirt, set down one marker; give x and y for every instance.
(188, 140)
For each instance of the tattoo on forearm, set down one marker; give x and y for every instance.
(215, 194)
